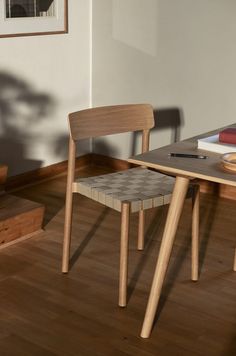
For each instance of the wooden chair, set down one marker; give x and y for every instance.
(132, 190)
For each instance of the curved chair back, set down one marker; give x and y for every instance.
(110, 120)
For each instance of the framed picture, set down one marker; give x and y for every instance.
(32, 17)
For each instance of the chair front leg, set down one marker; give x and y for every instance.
(124, 244)
(195, 231)
(141, 224)
(67, 231)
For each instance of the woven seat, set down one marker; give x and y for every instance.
(133, 190)
(143, 188)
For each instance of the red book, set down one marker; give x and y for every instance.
(228, 136)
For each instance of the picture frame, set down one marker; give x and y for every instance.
(33, 17)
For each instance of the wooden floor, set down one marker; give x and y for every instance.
(45, 313)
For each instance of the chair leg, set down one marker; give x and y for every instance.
(195, 232)
(124, 241)
(141, 230)
(67, 232)
(235, 261)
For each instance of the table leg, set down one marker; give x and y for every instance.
(175, 209)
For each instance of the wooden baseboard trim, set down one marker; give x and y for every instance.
(221, 190)
(111, 162)
(45, 173)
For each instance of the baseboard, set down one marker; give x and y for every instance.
(45, 173)
(111, 162)
(221, 190)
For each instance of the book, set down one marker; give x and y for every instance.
(212, 143)
(228, 136)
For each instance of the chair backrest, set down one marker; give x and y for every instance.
(109, 120)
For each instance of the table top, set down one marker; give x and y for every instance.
(209, 169)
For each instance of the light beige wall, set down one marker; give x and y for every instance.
(42, 78)
(177, 55)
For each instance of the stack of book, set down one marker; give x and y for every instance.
(223, 142)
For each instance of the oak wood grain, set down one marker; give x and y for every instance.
(112, 120)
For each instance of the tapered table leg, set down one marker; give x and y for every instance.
(175, 209)
(195, 232)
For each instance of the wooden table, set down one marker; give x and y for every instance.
(184, 169)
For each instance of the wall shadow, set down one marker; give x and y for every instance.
(165, 118)
(22, 110)
(21, 107)
(61, 145)
(169, 118)
(104, 148)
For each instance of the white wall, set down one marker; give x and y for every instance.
(177, 55)
(42, 78)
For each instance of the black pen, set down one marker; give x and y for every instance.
(186, 155)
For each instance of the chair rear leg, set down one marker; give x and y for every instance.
(67, 232)
(195, 231)
(124, 242)
(141, 225)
